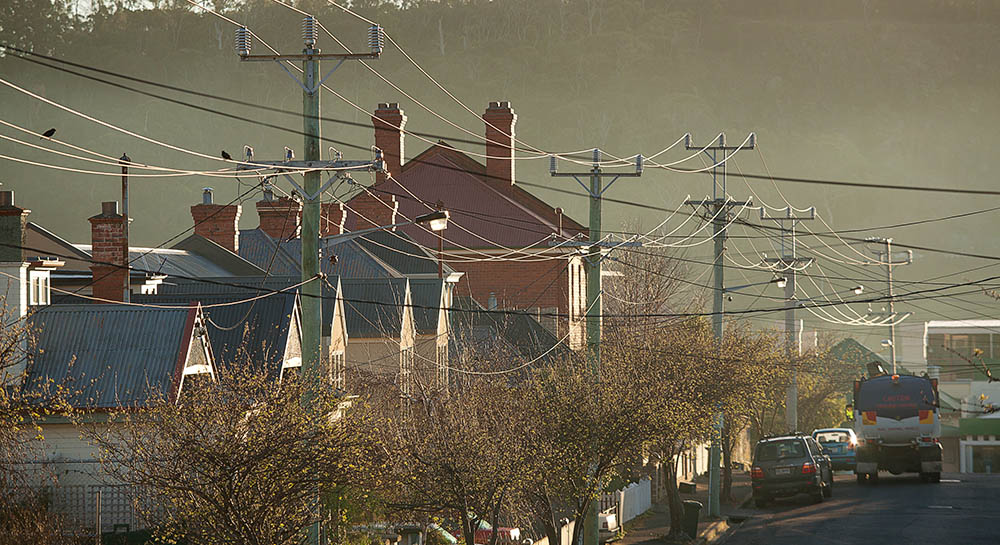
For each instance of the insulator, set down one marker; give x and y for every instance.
(310, 31)
(376, 38)
(638, 163)
(243, 41)
(552, 164)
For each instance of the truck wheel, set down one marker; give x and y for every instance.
(861, 478)
(873, 477)
(935, 477)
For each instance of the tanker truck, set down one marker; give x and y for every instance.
(898, 427)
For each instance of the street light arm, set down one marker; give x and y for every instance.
(434, 218)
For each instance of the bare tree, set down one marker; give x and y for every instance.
(241, 460)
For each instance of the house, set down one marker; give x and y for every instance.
(958, 352)
(382, 334)
(267, 329)
(96, 269)
(110, 356)
(499, 235)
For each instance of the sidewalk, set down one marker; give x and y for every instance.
(652, 526)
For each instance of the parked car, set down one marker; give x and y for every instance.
(788, 465)
(842, 444)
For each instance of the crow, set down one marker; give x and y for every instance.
(49, 133)
(226, 156)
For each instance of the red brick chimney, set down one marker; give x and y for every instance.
(279, 218)
(331, 218)
(219, 223)
(372, 210)
(500, 120)
(108, 239)
(389, 121)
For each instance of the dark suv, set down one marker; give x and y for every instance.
(789, 465)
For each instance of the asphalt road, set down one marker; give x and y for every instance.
(962, 509)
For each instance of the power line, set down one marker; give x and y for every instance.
(790, 179)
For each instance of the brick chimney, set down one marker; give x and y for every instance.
(389, 121)
(13, 220)
(108, 239)
(217, 222)
(332, 216)
(279, 218)
(500, 120)
(372, 210)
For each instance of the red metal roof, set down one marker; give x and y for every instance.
(504, 217)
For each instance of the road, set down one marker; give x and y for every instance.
(899, 510)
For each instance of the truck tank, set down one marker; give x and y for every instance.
(898, 427)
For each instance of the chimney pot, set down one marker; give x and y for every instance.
(7, 197)
(383, 105)
(206, 196)
(109, 208)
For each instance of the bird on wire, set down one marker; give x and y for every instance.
(48, 133)
(226, 156)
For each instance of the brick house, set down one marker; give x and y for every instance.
(494, 214)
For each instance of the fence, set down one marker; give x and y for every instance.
(627, 503)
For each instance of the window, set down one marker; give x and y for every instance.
(833, 437)
(775, 450)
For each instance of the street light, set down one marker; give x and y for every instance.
(438, 221)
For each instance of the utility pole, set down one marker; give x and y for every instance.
(312, 165)
(126, 295)
(311, 83)
(885, 258)
(720, 207)
(592, 263)
(789, 263)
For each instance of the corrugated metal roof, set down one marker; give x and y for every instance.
(253, 333)
(425, 295)
(373, 307)
(352, 261)
(260, 249)
(400, 252)
(115, 355)
(170, 262)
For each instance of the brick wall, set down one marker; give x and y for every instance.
(516, 284)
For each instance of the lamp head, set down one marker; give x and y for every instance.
(858, 290)
(438, 220)
(781, 282)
